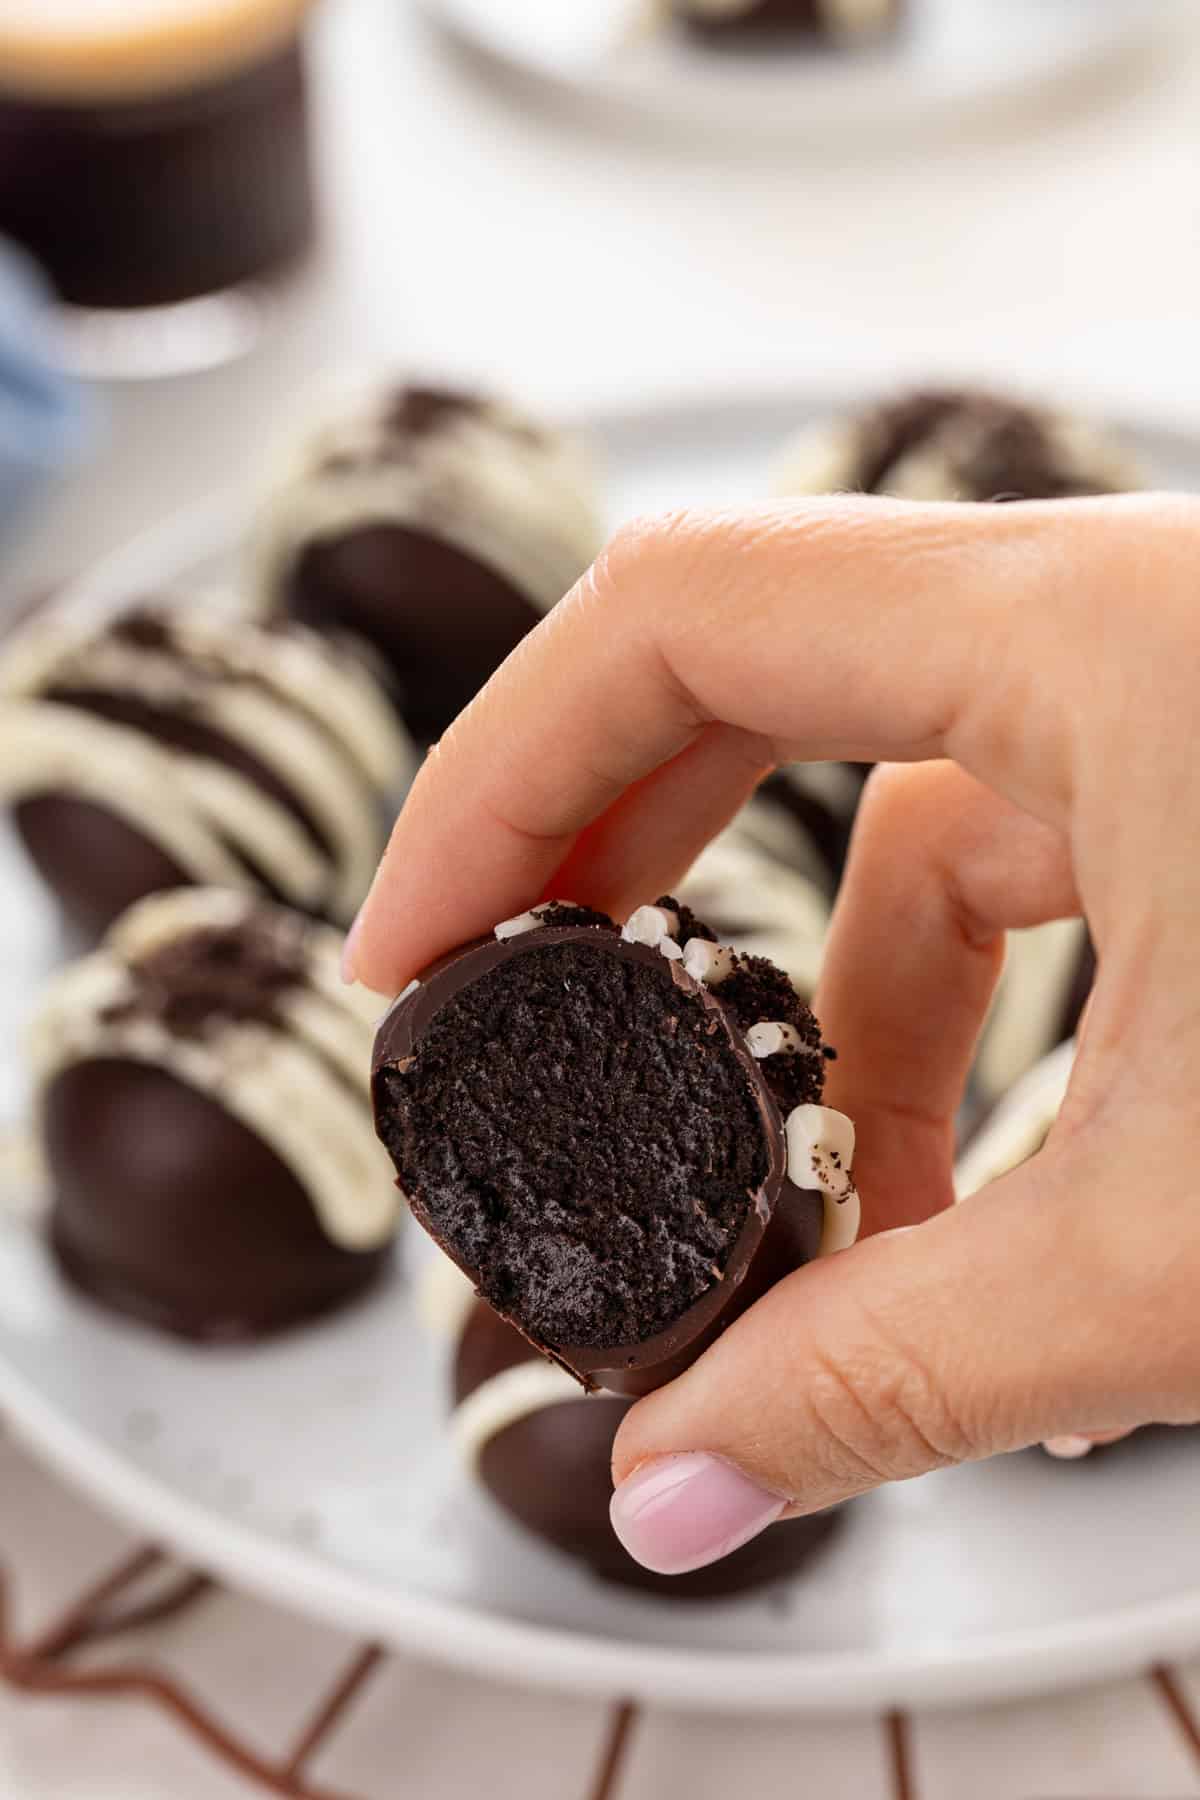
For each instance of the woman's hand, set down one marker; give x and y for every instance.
(1041, 666)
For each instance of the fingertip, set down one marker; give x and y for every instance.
(679, 1513)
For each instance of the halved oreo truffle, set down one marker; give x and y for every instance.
(181, 743)
(957, 444)
(438, 525)
(205, 1120)
(616, 1134)
(542, 1450)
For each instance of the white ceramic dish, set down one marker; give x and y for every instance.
(315, 1471)
(954, 58)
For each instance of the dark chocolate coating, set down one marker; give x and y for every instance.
(94, 862)
(550, 1472)
(147, 201)
(782, 1226)
(442, 621)
(170, 1210)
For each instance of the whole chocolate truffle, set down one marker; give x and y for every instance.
(182, 743)
(542, 1449)
(615, 1134)
(956, 444)
(439, 526)
(205, 1121)
(845, 22)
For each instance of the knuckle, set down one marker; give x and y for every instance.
(638, 548)
(884, 1414)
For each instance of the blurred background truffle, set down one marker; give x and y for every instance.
(182, 743)
(202, 1103)
(957, 444)
(844, 23)
(437, 525)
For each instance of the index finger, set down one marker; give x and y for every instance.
(853, 628)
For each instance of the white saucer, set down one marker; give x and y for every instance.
(952, 59)
(315, 1470)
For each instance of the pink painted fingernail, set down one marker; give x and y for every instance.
(1068, 1448)
(350, 951)
(683, 1512)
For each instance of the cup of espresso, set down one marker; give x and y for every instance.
(153, 152)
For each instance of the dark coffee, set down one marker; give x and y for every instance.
(154, 197)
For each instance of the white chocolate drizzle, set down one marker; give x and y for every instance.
(513, 1394)
(820, 1155)
(311, 716)
(1029, 1007)
(1019, 1125)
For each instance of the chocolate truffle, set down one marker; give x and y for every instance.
(1047, 976)
(541, 1449)
(845, 22)
(439, 526)
(617, 1135)
(181, 743)
(950, 444)
(205, 1121)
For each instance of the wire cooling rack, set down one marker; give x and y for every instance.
(147, 1587)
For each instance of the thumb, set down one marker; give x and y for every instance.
(987, 1328)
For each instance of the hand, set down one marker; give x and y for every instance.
(1046, 656)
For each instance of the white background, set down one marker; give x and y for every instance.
(475, 228)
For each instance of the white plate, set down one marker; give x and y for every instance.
(952, 58)
(315, 1471)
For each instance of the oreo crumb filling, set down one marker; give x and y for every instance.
(579, 1131)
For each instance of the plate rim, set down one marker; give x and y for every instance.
(457, 1634)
